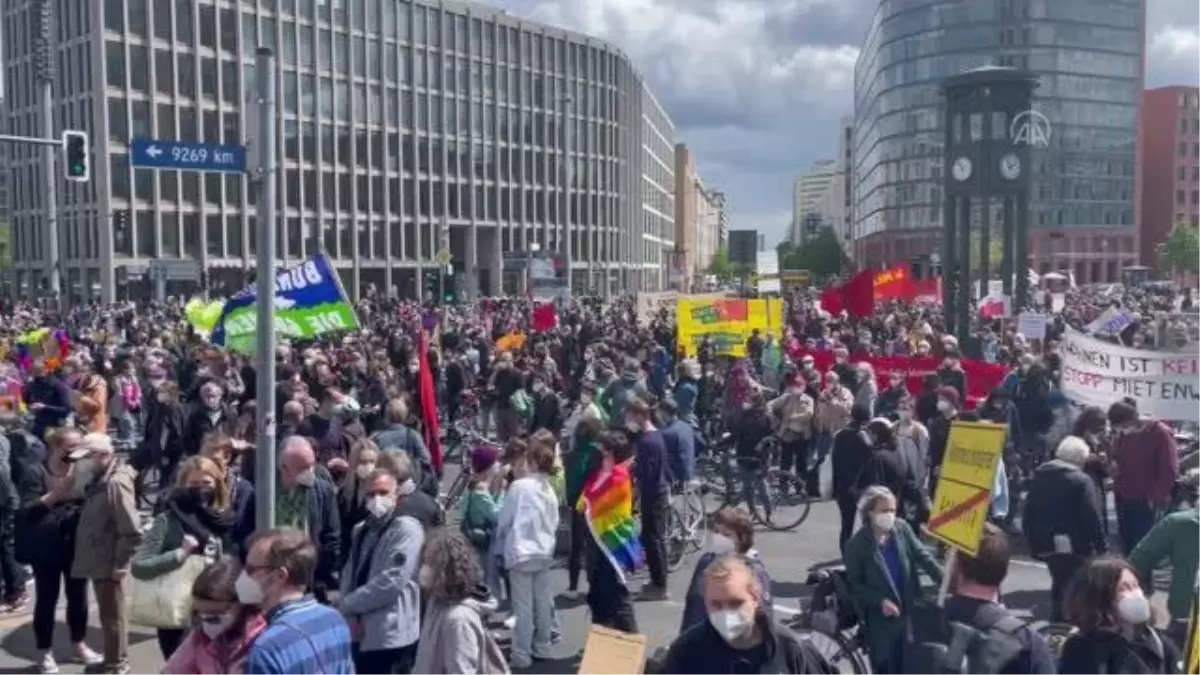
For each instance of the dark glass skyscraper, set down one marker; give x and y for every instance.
(1089, 56)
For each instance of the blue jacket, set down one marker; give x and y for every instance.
(379, 582)
(680, 439)
(650, 468)
(686, 393)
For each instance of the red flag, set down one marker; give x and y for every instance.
(831, 300)
(429, 414)
(858, 294)
(544, 317)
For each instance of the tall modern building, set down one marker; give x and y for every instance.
(1170, 165)
(698, 218)
(397, 120)
(1089, 57)
(806, 193)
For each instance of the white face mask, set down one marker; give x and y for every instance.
(905, 415)
(633, 426)
(414, 368)
(1133, 607)
(216, 629)
(425, 576)
(884, 522)
(720, 544)
(730, 624)
(380, 505)
(307, 478)
(944, 406)
(249, 591)
(364, 470)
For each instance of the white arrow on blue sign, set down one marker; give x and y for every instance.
(165, 154)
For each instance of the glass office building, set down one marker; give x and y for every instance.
(1089, 55)
(400, 124)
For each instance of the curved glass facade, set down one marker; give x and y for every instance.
(398, 120)
(1088, 54)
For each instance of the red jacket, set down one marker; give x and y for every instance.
(1147, 462)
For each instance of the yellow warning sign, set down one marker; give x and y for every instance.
(1191, 655)
(964, 487)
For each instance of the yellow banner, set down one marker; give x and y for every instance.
(1190, 653)
(964, 487)
(729, 322)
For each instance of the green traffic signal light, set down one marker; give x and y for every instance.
(75, 149)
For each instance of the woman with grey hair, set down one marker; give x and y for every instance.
(882, 562)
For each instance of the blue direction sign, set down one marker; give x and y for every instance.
(161, 154)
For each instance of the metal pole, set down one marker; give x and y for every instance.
(568, 181)
(45, 72)
(264, 478)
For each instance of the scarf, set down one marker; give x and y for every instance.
(607, 503)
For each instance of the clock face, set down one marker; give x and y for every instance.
(961, 169)
(1010, 166)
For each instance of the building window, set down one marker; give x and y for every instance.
(1180, 197)
(1182, 150)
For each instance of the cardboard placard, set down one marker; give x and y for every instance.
(611, 652)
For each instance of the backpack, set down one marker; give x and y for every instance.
(961, 648)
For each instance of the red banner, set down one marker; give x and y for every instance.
(982, 377)
(893, 284)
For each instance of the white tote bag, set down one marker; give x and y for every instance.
(166, 601)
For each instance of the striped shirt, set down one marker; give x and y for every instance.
(302, 636)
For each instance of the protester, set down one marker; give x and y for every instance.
(527, 525)
(740, 635)
(308, 503)
(454, 637)
(1176, 539)
(614, 550)
(1115, 621)
(651, 472)
(380, 595)
(45, 531)
(225, 630)
(1147, 464)
(732, 533)
(883, 561)
(197, 520)
(302, 636)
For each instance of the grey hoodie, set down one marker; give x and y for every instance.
(454, 639)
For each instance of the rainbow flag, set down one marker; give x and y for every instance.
(607, 503)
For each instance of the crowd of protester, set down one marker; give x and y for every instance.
(593, 424)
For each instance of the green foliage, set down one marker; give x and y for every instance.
(820, 255)
(1180, 253)
(995, 252)
(720, 266)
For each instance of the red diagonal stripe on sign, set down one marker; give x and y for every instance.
(958, 510)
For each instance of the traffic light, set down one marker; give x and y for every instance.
(75, 147)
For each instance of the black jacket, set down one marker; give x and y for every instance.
(850, 455)
(701, 649)
(422, 507)
(45, 536)
(1063, 500)
(547, 413)
(198, 425)
(1104, 651)
(55, 398)
(886, 467)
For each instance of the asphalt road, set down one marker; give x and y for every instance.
(789, 557)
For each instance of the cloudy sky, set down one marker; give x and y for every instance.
(756, 86)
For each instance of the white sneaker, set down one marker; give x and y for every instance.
(510, 622)
(85, 655)
(48, 664)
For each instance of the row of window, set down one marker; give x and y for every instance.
(387, 20)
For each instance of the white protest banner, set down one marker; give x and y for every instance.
(1032, 325)
(1164, 384)
(650, 304)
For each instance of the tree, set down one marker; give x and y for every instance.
(995, 253)
(821, 255)
(720, 267)
(1180, 253)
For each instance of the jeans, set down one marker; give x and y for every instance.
(533, 606)
(48, 579)
(127, 425)
(655, 515)
(754, 488)
(114, 621)
(1135, 517)
(818, 449)
(793, 457)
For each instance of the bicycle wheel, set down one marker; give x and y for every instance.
(146, 487)
(695, 522)
(716, 490)
(788, 502)
(838, 650)
(676, 539)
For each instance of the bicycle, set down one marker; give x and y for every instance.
(466, 439)
(831, 622)
(724, 479)
(687, 525)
